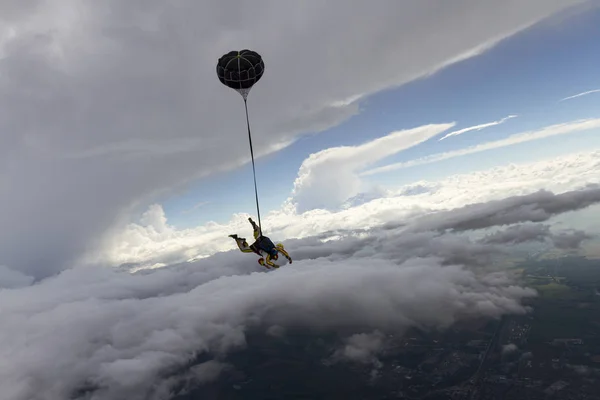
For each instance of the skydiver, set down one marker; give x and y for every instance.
(263, 246)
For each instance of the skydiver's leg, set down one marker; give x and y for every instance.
(269, 262)
(242, 244)
(261, 261)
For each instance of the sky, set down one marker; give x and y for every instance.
(520, 82)
(413, 151)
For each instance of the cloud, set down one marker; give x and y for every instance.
(519, 234)
(535, 207)
(570, 240)
(565, 240)
(361, 347)
(581, 94)
(142, 244)
(329, 177)
(137, 336)
(121, 335)
(478, 127)
(105, 105)
(10, 278)
(509, 348)
(549, 131)
(195, 207)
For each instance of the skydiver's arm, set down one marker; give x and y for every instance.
(243, 245)
(285, 253)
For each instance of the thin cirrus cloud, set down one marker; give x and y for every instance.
(581, 94)
(549, 131)
(478, 127)
(194, 207)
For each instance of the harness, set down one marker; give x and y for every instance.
(262, 243)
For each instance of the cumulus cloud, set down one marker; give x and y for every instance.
(97, 98)
(329, 177)
(552, 130)
(118, 335)
(363, 348)
(478, 127)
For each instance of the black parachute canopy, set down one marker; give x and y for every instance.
(240, 70)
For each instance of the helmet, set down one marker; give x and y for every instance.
(273, 253)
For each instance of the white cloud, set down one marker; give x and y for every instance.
(509, 348)
(139, 243)
(552, 130)
(581, 94)
(195, 207)
(329, 177)
(126, 104)
(120, 335)
(361, 347)
(478, 127)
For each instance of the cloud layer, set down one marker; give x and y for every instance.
(119, 335)
(104, 105)
(114, 334)
(148, 243)
(536, 207)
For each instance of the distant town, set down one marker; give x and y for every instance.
(552, 352)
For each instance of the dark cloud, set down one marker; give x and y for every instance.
(519, 234)
(535, 207)
(570, 240)
(564, 240)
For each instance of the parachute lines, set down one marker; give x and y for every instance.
(250, 68)
(253, 168)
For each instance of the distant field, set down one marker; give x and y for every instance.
(555, 321)
(567, 306)
(554, 290)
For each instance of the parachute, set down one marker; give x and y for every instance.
(240, 70)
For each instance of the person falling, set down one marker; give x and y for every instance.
(263, 246)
